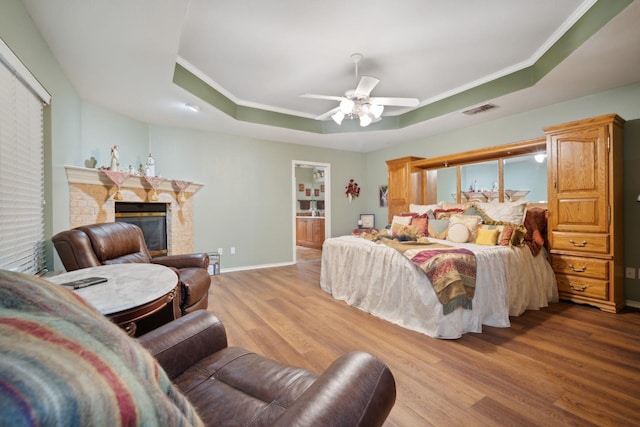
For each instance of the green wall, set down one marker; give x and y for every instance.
(246, 198)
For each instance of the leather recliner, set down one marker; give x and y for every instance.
(121, 242)
(233, 386)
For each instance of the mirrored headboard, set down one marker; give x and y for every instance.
(507, 172)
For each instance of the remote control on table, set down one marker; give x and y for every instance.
(83, 283)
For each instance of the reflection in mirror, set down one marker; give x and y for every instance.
(525, 178)
(479, 181)
(447, 184)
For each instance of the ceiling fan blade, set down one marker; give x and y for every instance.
(365, 86)
(328, 114)
(329, 97)
(396, 102)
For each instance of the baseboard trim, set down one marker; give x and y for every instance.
(630, 303)
(255, 267)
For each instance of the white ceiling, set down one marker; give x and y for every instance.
(121, 54)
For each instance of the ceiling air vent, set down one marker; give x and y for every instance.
(480, 109)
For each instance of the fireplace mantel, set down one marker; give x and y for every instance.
(92, 200)
(80, 175)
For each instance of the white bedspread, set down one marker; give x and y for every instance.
(380, 280)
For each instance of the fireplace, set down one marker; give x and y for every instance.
(91, 200)
(151, 218)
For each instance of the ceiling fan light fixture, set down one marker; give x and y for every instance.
(376, 110)
(365, 120)
(338, 117)
(346, 106)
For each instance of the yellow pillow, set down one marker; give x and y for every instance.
(487, 237)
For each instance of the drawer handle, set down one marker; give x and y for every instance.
(580, 288)
(578, 245)
(578, 270)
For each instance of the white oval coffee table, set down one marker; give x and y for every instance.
(131, 293)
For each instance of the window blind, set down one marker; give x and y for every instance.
(21, 173)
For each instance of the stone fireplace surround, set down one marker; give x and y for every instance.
(91, 201)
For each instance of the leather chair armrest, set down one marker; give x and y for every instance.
(75, 250)
(179, 344)
(199, 260)
(356, 390)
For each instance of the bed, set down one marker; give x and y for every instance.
(380, 280)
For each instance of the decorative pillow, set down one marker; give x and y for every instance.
(511, 212)
(398, 219)
(422, 224)
(423, 209)
(404, 232)
(446, 213)
(517, 239)
(458, 233)
(69, 365)
(487, 236)
(512, 235)
(462, 206)
(437, 228)
(469, 221)
(505, 236)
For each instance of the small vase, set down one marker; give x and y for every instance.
(350, 197)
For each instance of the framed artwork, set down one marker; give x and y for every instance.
(368, 220)
(384, 196)
(300, 187)
(316, 192)
(307, 192)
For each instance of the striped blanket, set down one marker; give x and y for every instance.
(451, 271)
(64, 364)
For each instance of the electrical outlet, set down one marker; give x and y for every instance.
(220, 251)
(233, 250)
(630, 273)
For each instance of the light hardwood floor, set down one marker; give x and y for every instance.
(564, 365)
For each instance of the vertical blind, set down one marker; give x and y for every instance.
(21, 173)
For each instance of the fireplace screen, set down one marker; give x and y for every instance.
(151, 218)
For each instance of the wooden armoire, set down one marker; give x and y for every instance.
(585, 210)
(404, 185)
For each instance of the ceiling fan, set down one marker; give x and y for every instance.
(357, 102)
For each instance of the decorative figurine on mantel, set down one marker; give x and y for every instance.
(151, 166)
(114, 158)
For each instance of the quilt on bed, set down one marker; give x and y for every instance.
(451, 271)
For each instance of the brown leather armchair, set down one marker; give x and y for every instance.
(120, 242)
(233, 386)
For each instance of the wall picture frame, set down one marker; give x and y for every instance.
(368, 220)
(384, 196)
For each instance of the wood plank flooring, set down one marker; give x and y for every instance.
(565, 365)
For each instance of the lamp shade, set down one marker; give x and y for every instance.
(338, 117)
(376, 110)
(346, 106)
(365, 120)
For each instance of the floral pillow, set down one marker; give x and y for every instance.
(446, 213)
(404, 232)
(422, 224)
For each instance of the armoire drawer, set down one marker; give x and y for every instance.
(578, 266)
(591, 288)
(580, 242)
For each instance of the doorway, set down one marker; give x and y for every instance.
(311, 208)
